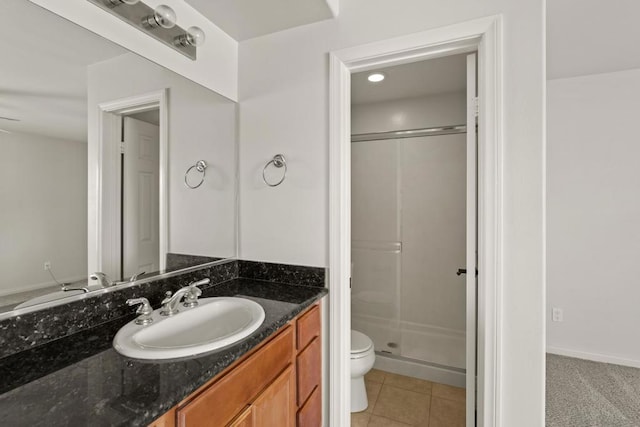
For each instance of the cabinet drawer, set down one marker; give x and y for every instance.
(310, 415)
(308, 327)
(309, 370)
(220, 403)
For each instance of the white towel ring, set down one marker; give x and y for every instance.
(277, 161)
(200, 166)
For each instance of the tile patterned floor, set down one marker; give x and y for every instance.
(399, 401)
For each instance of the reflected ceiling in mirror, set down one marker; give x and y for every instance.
(78, 198)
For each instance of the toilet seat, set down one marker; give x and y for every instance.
(355, 356)
(361, 345)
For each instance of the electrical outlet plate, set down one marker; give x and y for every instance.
(556, 315)
(47, 265)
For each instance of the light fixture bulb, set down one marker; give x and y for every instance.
(195, 36)
(163, 16)
(376, 77)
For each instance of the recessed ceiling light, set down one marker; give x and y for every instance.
(375, 77)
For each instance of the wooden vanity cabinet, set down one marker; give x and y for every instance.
(278, 384)
(309, 368)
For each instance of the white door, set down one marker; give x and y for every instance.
(140, 189)
(472, 202)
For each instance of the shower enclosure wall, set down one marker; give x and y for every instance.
(408, 236)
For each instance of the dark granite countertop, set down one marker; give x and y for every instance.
(80, 380)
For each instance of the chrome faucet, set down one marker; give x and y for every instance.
(189, 293)
(65, 288)
(103, 279)
(144, 310)
(171, 301)
(135, 277)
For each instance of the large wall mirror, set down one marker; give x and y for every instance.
(96, 144)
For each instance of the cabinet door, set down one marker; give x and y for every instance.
(223, 401)
(245, 419)
(276, 405)
(310, 415)
(167, 420)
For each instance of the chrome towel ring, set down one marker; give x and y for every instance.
(200, 166)
(278, 161)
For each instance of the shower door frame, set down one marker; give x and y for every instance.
(484, 36)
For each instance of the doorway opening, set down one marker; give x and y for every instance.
(132, 206)
(484, 37)
(413, 235)
(139, 194)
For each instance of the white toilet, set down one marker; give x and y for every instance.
(362, 359)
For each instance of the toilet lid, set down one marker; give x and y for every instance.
(360, 342)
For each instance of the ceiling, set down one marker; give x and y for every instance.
(246, 19)
(592, 36)
(44, 82)
(414, 80)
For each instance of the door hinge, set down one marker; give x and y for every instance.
(122, 147)
(349, 282)
(476, 106)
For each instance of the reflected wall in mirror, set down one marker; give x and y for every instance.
(96, 141)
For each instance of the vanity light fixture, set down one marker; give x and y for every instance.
(163, 16)
(376, 77)
(119, 2)
(159, 23)
(193, 37)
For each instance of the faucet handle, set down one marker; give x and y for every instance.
(144, 310)
(191, 299)
(200, 282)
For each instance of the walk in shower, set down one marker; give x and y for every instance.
(408, 222)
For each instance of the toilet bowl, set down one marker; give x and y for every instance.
(362, 359)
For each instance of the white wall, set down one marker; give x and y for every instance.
(202, 126)
(284, 98)
(411, 113)
(43, 189)
(594, 216)
(216, 67)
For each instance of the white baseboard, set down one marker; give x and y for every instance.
(594, 357)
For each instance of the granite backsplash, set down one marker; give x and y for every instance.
(29, 330)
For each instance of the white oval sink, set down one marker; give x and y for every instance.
(213, 324)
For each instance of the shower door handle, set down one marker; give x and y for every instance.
(464, 271)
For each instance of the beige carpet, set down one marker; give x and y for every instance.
(581, 393)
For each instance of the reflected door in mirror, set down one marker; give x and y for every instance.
(140, 186)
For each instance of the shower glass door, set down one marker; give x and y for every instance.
(376, 249)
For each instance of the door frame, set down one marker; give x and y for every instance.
(484, 36)
(108, 183)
